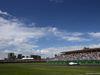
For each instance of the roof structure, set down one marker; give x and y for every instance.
(27, 58)
(80, 51)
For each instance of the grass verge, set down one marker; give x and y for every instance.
(27, 69)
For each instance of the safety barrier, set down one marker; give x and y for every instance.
(81, 62)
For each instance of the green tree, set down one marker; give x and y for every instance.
(86, 48)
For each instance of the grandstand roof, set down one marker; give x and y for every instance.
(83, 50)
(27, 58)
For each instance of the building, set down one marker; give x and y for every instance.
(19, 56)
(11, 56)
(36, 57)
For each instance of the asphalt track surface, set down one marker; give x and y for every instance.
(81, 65)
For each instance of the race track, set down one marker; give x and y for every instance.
(81, 65)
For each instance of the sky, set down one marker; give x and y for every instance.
(48, 27)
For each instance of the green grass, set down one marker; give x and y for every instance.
(29, 69)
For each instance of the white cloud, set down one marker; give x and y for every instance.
(96, 35)
(15, 29)
(4, 13)
(13, 32)
(21, 43)
(68, 36)
(72, 38)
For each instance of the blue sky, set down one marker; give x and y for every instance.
(47, 27)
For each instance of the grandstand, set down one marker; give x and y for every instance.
(83, 55)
